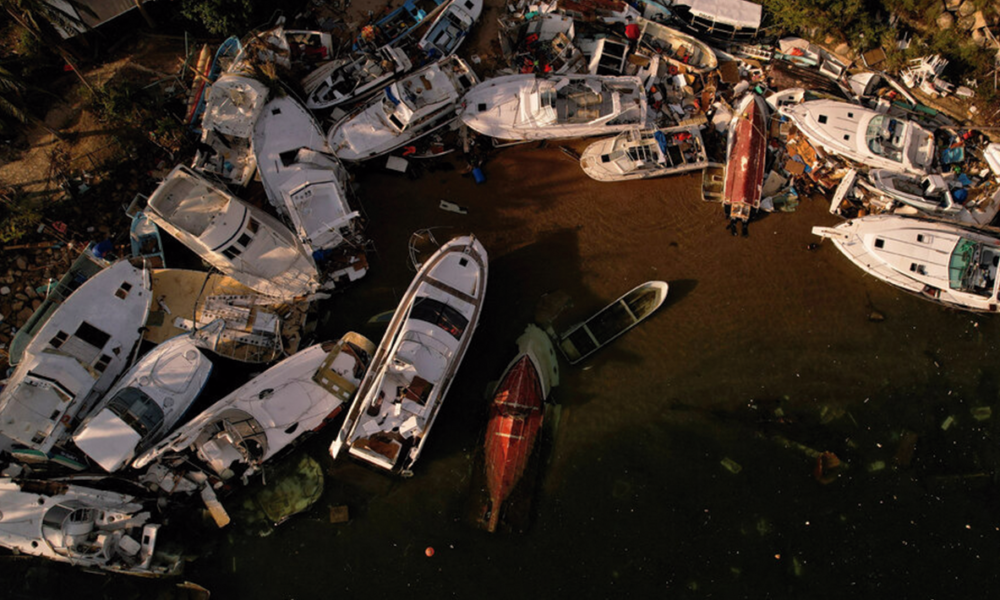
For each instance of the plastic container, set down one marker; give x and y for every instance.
(479, 176)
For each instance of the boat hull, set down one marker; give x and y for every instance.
(613, 320)
(746, 157)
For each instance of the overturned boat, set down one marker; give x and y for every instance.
(402, 394)
(746, 156)
(536, 107)
(233, 107)
(613, 320)
(450, 29)
(645, 154)
(352, 79)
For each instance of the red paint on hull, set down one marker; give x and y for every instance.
(745, 163)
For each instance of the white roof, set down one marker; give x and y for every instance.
(734, 12)
(107, 440)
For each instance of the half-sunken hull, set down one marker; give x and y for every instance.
(746, 156)
(613, 320)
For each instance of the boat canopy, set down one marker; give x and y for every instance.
(738, 13)
(885, 137)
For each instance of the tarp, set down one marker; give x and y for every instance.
(739, 13)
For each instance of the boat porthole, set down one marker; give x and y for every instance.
(34, 544)
(168, 402)
(1, 515)
(41, 500)
(265, 394)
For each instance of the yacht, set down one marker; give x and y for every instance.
(225, 151)
(639, 154)
(351, 79)
(676, 47)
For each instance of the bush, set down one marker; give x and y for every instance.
(220, 17)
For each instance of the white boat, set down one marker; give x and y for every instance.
(236, 238)
(676, 47)
(929, 194)
(286, 48)
(145, 404)
(351, 79)
(74, 359)
(938, 261)
(865, 136)
(233, 107)
(308, 186)
(406, 111)
(644, 154)
(237, 434)
(537, 107)
(547, 38)
(451, 27)
(88, 528)
(401, 396)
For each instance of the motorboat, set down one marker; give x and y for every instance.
(86, 527)
(409, 109)
(224, 316)
(727, 21)
(873, 139)
(397, 24)
(536, 107)
(233, 236)
(938, 261)
(351, 79)
(929, 194)
(679, 49)
(306, 184)
(746, 155)
(74, 359)
(613, 320)
(543, 43)
(286, 48)
(234, 104)
(224, 57)
(639, 154)
(231, 439)
(145, 241)
(401, 396)
(451, 27)
(145, 404)
(516, 414)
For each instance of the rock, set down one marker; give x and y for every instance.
(35, 304)
(952, 4)
(967, 23)
(945, 21)
(967, 8)
(30, 291)
(979, 38)
(21, 296)
(21, 262)
(17, 306)
(843, 49)
(980, 19)
(4, 291)
(24, 315)
(876, 317)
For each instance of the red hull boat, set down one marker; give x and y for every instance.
(515, 420)
(745, 157)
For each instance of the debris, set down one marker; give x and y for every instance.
(339, 514)
(948, 423)
(981, 413)
(876, 466)
(397, 163)
(731, 465)
(907, 446)
(827, 468)
(452, 207)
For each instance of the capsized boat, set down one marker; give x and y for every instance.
(401, 396)
(233, 236)
(450, 29)
(351, 79)
(88, 528)
(639, 154)
(516, 414)
(537, 107)
(746, 155)
(397, 24)
(676, 47)
(412, 107)
(938, 261)
(234, 104)
(623, 314)
(865, 136)
(74, 359)
(145, 404)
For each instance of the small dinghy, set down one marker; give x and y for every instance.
(612, 321)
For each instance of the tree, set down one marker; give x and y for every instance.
(12, 106)
(44, 20)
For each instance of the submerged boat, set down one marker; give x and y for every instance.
(88, 528)
(236, 238)
(351, 79)
(397, 24)
(613, 320)
(406, 111)
(516, 414)
(536, 107)
(74, 359)
(145, 404)
(746, 155)
(938, 261)
(865, 136)
(225, 150)
(676, 47)
(644, 154)
(450, 29)
(401, 396)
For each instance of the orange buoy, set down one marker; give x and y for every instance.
(429, 551)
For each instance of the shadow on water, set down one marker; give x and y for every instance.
(679, 290)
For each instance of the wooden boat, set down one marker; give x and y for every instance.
(516, 414)
(613, 320)
(681, 50)
(746, 154)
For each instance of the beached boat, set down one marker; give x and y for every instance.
(397, 24)
(401, 396)
(746, 155)
(407, 110)
(144, 237)
(938, 261)
(225, 150)
(74, 359)
(929, 194)
(85, 527)
(536, 107)
(286, 48)
(865, 136)
(643, 154)
(145, 404)
(352, 79)
(613, 320)
(450, 29)
(543, 43)
(728, 21)
(516, 414)
(224, 57)
(676, 47)
(233, 236)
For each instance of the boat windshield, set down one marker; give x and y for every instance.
(438, 313)
(138, 410)
(885, 137)
(973, 268)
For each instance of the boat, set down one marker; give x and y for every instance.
(451, 27)
(873, 139)
(726, 21)
(397, 24)
(86, 265)
(605, 55)
(537, 107)
(225, 316)
(224, 57)
(352, 79)
(543, 43)
(746, 155)
(929, 194)
(623, 314)
(639, 154)
(144, 235)
(234, 437)
(145, 404)
(85, 527)
(679, 49)
(309, 187)
(516, 414)
(238, 239)
(409, 109)
(401, 396)
(225, 149)
(938, 261)
(74, 359)
(286, 48)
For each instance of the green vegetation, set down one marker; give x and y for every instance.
(18, 216)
